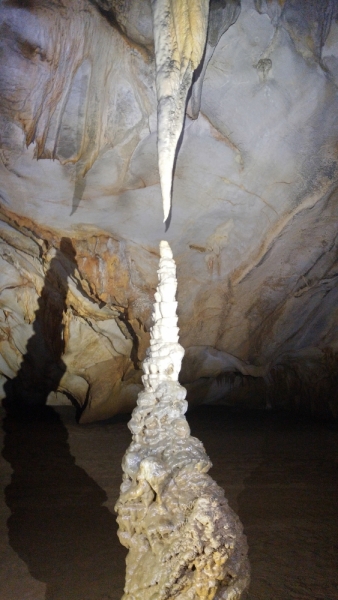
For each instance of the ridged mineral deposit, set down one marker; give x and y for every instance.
(184, 540)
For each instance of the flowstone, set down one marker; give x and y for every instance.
(184, 541)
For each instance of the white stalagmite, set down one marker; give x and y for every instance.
(184, 541)
(180, 30)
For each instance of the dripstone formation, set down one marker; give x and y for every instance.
(184, 541)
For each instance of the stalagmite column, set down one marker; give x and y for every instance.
(180, 30)
(184, 541)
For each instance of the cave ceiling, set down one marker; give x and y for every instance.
(253, 222)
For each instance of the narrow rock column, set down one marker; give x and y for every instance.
(184, 541)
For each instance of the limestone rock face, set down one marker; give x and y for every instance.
(184, 540)
(254, 203)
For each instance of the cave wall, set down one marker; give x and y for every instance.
(253, 225)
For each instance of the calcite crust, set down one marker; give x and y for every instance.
(184, 540)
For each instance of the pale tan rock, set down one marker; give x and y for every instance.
(51, 323)
(184, 540)
(110, 386)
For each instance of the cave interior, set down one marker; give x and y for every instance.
(221, 117)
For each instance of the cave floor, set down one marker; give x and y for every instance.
(58, 531)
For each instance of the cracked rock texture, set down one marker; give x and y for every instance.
(254, 204)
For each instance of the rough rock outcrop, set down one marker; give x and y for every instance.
(254, 205)
(184, 540)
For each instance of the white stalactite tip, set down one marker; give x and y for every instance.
(184, 540)
(165, 250)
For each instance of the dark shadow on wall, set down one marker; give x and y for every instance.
(42, 366)
(58, 525)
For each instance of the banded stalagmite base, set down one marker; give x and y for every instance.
(184, 541)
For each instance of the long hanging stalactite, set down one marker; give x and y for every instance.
(180, 30)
